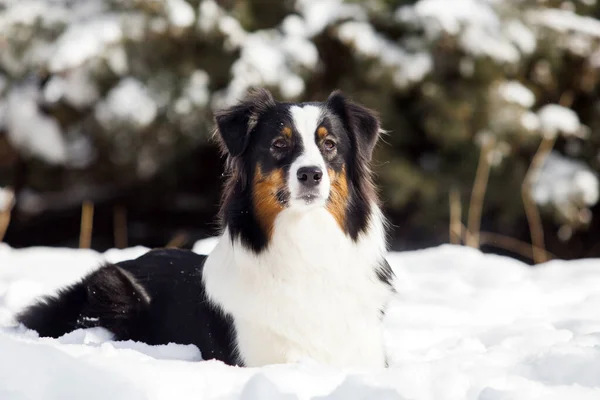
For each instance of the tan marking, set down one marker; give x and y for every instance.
(322, 132)
(264, 198)
(287, 132)
(338, 196)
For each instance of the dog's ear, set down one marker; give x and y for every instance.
(235, 124)
(362, 123)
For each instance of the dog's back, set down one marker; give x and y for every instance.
(157, 298)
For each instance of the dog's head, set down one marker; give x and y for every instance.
(297, 156)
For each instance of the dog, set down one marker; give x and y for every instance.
(299, 271)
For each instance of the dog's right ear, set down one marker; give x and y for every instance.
(235, 124)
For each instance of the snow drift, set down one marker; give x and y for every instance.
(464, 325)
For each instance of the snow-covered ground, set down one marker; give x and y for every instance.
(464, 325)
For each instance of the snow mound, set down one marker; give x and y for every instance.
(464, 325)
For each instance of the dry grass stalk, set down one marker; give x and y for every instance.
(502, 242)
(455, 217)
(120, 226)
(179, 240)
(87, 225)
(478, 194)
(531, 211)
(513, 245)
(6, 213)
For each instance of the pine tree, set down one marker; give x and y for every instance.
(97, 95)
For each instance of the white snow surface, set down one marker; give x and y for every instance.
(464, 325)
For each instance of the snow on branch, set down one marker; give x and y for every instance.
(568, 186)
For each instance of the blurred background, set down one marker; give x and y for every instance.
(491, 107)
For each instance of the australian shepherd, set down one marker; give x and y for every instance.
(299, 270)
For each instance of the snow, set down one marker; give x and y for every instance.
(293, 25)
(276, 58)
(566, 21)
(181, 14)
(195, 92)
(29, 130)
(407, 68)
(452, 16)
(556, 119)
(464, 325)
(76, 87)
(476, 24)
(521, 36)
(19, 13)
(212, 18)
(576, 33)
(530, 121)
(481, 42)
(564, 182)
(57, 35)
(269, 58)
(209, 14)
(83, 41)
(318, 14)
(516, 92)
(127, 103)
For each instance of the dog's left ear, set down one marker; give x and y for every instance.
(235, 124)
(362, 123)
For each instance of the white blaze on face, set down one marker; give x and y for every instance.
(306, 121)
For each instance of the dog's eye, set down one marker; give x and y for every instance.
(279, 144)
(329, 144)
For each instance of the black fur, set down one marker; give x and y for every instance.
(235, 124)
(53, 316)
(361, 122)
(157, 298)
(386, 274)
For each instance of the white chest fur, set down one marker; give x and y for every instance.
(313, 293)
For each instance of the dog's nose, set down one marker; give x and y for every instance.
(309, 176)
